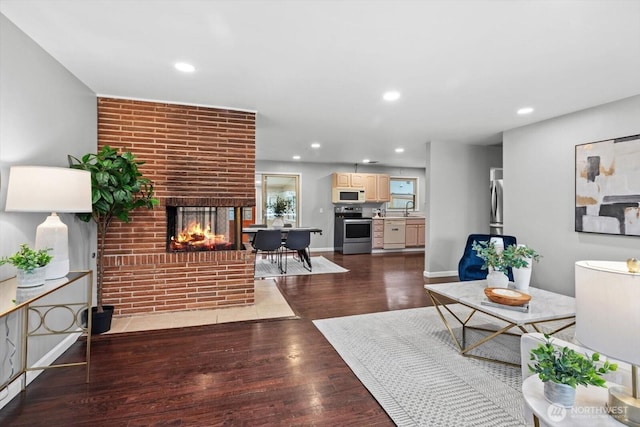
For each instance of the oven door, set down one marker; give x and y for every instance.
(356, 230)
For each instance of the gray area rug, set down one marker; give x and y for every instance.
(409, 363)
(320, 265)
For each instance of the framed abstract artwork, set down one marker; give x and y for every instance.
(608, 186)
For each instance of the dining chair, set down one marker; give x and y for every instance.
(268, 241)
(298, 241)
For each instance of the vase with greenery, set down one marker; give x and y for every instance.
(561, 369)
(520, 258)
(30, 264)
(280, 207)
(494, 262)
(117, 188)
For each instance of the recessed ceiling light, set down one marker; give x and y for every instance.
(184, 67)
(399, 150)
(315, 145)
(392, 95)
(525, 110)
(365, 160)
(296, 157)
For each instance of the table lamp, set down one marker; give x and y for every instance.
(50, 189)
(608, 321)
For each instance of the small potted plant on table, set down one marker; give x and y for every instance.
(494, 261)
(561, 369)
(520, 258)
(31, 265)
(280, 207)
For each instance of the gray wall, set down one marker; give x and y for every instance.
(315, 189)
(45, 114)
(539, 180)
(457, 197)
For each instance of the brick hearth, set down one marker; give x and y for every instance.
(198, 155)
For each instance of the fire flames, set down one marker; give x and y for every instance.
(197, 238)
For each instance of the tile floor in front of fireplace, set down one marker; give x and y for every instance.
(269, 304)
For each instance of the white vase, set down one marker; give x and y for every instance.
(497, 279)
(29, 279)
(559, 394)
(522, 276)
(278, 222)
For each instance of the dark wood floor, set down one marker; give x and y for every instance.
(258, 373)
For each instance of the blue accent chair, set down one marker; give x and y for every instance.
(470, 265)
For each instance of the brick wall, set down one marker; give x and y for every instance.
(203, 155)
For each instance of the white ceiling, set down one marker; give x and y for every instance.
(316, 70)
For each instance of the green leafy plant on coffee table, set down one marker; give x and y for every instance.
(486, 250)
(28, 259)
(518, 256)
(563, 365)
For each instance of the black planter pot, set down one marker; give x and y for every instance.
(100, 322)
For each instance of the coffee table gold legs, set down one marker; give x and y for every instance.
(463, 348)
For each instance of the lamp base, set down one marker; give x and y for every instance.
(623, 406)
(53, 234)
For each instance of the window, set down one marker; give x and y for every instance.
(279, 197)
(404, 193)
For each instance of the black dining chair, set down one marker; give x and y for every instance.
(268, 241)
(298, 241)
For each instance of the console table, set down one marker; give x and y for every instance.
(29, 301)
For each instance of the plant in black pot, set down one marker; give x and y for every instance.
(117, 188)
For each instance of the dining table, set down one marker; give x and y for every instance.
(251, 231)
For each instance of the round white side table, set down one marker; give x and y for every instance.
(589, 409)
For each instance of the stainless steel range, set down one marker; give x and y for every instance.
(352, 233)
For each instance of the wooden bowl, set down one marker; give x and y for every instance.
(507, 296)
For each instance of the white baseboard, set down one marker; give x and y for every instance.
(432, 274)
(14, 388)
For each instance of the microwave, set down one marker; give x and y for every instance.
(347, 195)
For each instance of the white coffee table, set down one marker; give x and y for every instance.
(545, 306)
(589, 409)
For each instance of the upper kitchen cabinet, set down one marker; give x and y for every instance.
(347, 180)
(376, 186)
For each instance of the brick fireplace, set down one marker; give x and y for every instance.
(196, 157)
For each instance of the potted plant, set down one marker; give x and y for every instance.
(117, 188)
(31, 265)
(494, 261)
(280, 207)
(520, 258)
(561, 369)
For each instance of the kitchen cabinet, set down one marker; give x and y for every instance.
(415, 232)
(376, 186)
(378, 233)
(347, 180)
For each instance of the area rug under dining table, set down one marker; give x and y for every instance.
(320, 265)
(407, 360)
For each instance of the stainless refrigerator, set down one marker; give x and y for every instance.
(495, 181)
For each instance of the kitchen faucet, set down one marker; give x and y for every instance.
(406, 207)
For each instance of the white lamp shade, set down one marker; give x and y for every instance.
(608, 309)
(48, 189)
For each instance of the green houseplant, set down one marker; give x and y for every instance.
(117, 188)
(280, 207)
(520, 258)
(561, 369)
(30, 264)
(494, 262)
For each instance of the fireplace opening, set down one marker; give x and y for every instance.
(191, 229)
